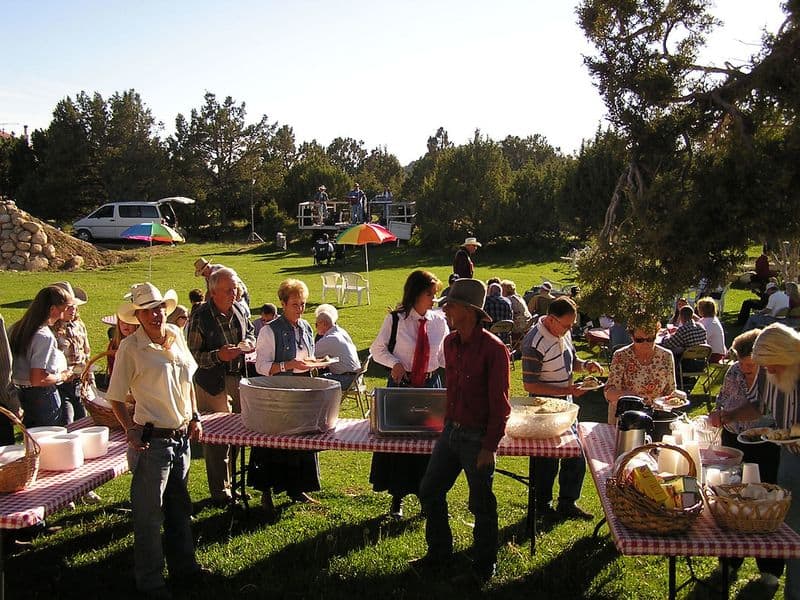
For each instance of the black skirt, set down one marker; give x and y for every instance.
(292, 471)
(398, 474)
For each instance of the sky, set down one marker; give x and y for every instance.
(387, 73)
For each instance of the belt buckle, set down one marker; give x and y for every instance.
(456, 424)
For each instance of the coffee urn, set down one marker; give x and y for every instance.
(633, 427)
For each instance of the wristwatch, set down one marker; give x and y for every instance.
(282, 367)
(196, 417)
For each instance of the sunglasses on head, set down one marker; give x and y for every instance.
(642, 340)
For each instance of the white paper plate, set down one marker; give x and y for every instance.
(11, 453)
(748, 440)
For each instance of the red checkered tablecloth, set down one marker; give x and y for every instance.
(354, 434)
(53, 490)
(704, 538)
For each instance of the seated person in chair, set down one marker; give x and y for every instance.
(498, 307)
(689, 333)
(323, 249)
(336, 343)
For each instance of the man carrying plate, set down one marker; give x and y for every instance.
(215, 331)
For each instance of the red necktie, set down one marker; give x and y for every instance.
(421, 355)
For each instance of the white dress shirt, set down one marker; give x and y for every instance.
(406, 343)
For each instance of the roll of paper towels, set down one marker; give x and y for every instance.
(95, 441)
(62, 452)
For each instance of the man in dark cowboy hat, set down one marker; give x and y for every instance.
(477, 375)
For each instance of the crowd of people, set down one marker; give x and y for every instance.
(176, 364)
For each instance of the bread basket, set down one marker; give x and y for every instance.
(20, 473)
(731, 511)
(94, 399)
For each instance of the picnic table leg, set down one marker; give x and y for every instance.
(672, 590)
(531, 506)
(239, 480)
(2, 567)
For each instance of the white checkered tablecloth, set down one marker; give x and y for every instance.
(354, 434)
(704, 538)
(53, 490)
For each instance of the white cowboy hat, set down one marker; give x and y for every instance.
(77, 293)
(471, 241)
(199, 266)
(145, 295)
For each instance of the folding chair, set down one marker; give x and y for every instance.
(331, 281)
(696, 370)
(354, 282)
(503, 329)
(357, 390)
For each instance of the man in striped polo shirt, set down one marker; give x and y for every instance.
(548, 362)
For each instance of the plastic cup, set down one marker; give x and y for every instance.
(750, 473)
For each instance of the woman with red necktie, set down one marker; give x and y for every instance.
(414, 355)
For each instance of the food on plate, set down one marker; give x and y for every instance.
(674, 401)
(245, 347)
(778, 434)
(754, 434)
(590, 383)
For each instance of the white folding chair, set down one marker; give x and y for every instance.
(503, 329)
(332, 281)
(354, 283)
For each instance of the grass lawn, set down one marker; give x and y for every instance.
(345, 547)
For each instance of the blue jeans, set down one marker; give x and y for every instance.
(357, 215)
(159, 495)
(570, 478)
(42, 406)
(71, 404)
(344, 379)
(455, 450)
(789, 477)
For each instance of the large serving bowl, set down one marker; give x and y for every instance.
(284, 405)
(539, 418)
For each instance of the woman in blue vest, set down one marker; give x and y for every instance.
(281, 348)
(414, 362)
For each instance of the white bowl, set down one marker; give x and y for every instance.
(61, 452)
(94, 441)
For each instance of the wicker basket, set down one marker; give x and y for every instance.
(640, 513)
(20, 473)
(101, 415)
(745, 515)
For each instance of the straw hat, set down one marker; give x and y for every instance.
(471, 241)
(470, 293)
(199, 266)
(77, 293)
(145, 295)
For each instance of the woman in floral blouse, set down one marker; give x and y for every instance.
(640, 369)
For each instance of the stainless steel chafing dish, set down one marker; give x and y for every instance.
(403, 411)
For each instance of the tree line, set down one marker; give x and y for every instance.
(100, 149)
(700, 161)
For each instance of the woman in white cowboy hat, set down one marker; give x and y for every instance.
(462, 263)
(154, 364)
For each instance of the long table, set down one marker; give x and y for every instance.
(54, 490)
(704, 538)
(355, 435)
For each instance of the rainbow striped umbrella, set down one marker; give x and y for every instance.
(152, 232)
(364, 234)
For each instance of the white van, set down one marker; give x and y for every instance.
(110, 220)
